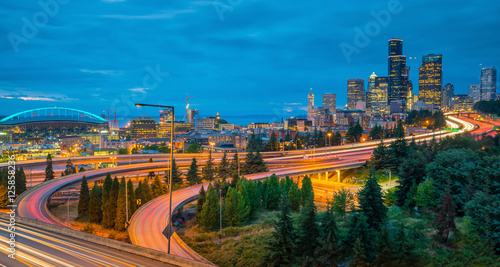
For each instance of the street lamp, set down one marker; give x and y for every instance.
(212, 145)
(329, 143)
(388, 170)
(338, 174)
(171, 165)
(67, 205)
(113, 160)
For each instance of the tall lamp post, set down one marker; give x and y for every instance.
(329, 143)
(389, 171)
(67, 206)
(171, 165)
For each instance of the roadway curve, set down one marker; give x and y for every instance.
(149, 222)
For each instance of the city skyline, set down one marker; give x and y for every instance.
(71, 62)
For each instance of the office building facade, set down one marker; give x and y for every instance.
(431, 80)
(488, 84)
(330, 102)
(379, 97)
(448, 93)
(475, 92)
(397, 73)
(355, 92)
(143, 128)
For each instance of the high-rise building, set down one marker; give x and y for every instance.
(448, 93)
(463, 103)
(310, 99)
(205, 124)
(430, 80)
(330, 102)
(488, 83)
(397, 72)
(379, 105)
(475, 92)
(371, 85)
(143, 128)
(355, 92)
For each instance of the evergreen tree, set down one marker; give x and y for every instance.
(281, 247)
(445, 220)
(273, 193)
(139, 194)
(380, 157)
(236, 211)
(109, 212)
(398, 149)
(411, 171)
(223, 167)
(20, 181)
(49, 172)
(192, 175)
(70, 168)
(120, 219)
(371, 202)
(403, 248)
(384, 255)
(328, 243)
(132, 201)
(308, 232)
(208, 170)
(95, 207)
(295, 197)
(177, 175)
(233, 168)
(342, 199)
(296, 142)
(157, 187)
(354, 132)
(359, 259)
(410, 197)
(306, 190)
(84, 199)
(358, 227)
(259, 163)
(273, 144)
(210, 213)
(201, 200)
(148, 193)
(338, 139)
(390, 197)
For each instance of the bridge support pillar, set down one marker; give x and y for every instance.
(96, 165)
(76, 168)
(326, 176)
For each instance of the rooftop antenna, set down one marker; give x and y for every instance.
(187, 106)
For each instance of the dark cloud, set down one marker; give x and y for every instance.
(92, 53)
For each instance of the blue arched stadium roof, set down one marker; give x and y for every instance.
(52, 114)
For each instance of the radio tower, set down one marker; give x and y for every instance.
(187, 106)
(114, 123)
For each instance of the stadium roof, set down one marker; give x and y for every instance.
(52, 114)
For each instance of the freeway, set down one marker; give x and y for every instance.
(32, 203)
(149, 222)
(39, 247)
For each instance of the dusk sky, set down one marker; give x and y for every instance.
(238, 57)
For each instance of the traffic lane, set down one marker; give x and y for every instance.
(75, 252)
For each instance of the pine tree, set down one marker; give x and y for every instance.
(306, 190)
(273, 193)
(208, 170)
(95, 209)
(445, 220)
(342, 199)
(247, 167)
(272, 144)
(380, 157)
(308, 232)
(192, 175)
(295, 197)
(176, 174)
(20, 181)
(359, 259)
(148, 193)
(202, 197)
(120, 219)
(384, 255)
(328, 243)
(412, 170)
(4, 199)
(281, 248)
(210, 213)
(296, 142)
(236, 211)
(139, 194)
(49, 172)
(70, 168)
(233, 167)
(157, 187)
(107, 187)
(403, 250)
(223, 167)
(371, 202)
(358, 228)
(110, 207)
(132, 201)
(259, 163)
(83, 203)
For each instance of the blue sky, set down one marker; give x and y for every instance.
(238, 57)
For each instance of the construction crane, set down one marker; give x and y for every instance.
(187, 106)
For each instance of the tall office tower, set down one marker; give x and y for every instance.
(379, 105)
(430, 81)
(409, 96)
(330, 102)
(488, 83)
(448, 93)
(355, 92)
(397, 72)
(371, 85)
(310, 99)
(475, 92)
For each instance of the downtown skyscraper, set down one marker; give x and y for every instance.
(430, 81)
(397, 73)
(330, 102)
(355, 92)
(488, 84)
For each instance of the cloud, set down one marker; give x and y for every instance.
(168, 14)
(139, 90)
(103, 72)
(22, 94)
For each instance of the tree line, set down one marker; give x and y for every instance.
(489, 107)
